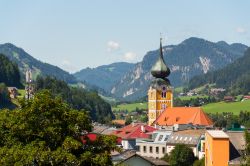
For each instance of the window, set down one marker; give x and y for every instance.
(163, 150)
(166, 138)
(157, 150)
(144, 149)
(163, 94)
(138, 148)
(150, 149)
(160, 137)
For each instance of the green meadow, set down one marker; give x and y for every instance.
(234, 107)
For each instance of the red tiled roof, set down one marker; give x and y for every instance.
(93, 137)
(183, 115)
(133, 131)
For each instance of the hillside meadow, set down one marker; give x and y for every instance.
(234, 107)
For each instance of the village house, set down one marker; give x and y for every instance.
(130, 158)
(192, 138)
(131, 132)
(13, 91)
(229, 99)
(155, 147)
(216, 91)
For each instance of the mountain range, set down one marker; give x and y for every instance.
(191, 57)
(104, 76)
(26, 61)
(128, 82)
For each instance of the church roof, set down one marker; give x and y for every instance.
(183, 115)
(160, 69)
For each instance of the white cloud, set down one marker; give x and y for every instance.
(112, 46)
(241, 30)
(130, 56)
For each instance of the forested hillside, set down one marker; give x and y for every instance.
(9, 73)
(235, 77)
(78, 98)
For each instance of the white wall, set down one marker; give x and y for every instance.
(153, 154)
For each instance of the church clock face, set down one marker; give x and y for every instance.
(152, 115)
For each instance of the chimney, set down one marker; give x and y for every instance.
(143, 128)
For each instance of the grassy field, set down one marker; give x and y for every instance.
(131, 107)
(234, 107)
(220, 107)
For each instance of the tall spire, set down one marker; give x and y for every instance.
(161, 54)
(160, 69)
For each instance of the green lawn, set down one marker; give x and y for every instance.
(234, 107)
(131, 107)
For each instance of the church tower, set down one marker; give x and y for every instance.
(160, 93)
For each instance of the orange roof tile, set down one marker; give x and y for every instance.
(183, 115)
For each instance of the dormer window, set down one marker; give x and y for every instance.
(177, 119)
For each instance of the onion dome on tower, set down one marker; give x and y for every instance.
(160, 71)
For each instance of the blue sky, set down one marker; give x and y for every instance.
(77, 34)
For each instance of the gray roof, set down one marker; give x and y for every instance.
(130, 154)
(237, 139)
(187, 139)
(103, 129)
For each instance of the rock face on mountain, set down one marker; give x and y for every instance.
(105, 76)
(192, 57)
(235, 77)
(26, 61)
